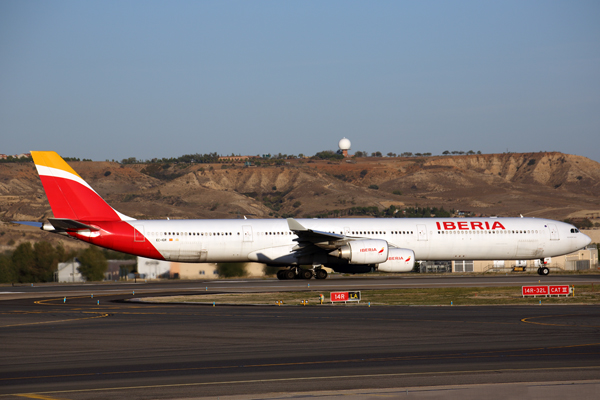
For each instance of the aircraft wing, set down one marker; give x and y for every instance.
(306, 237)
(324, 240)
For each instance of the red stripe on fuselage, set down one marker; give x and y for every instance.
(71, 199)
(119, 236)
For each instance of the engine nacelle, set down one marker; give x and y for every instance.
(373, 251)
(399, 260)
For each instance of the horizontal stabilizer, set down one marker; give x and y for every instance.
(70, 225)
(29, 223)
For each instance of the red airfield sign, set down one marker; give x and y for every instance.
(552, 290)
(338, 296)
(535, 291)
(559, 289)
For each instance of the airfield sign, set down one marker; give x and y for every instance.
(552, 290)
(344, 296)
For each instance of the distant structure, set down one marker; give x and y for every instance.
(344, 146)
(236, 158)
(22, 155)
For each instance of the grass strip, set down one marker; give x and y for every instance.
(408, 297)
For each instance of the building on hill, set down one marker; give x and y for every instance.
(236, 158)
(344, 145)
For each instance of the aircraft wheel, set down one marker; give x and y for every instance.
(539, 271)
(281, 274)
(320, 273)
(545, 271)
(306, 274)
(289, 274)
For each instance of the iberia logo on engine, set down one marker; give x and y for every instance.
(368, 249)
(398, 259)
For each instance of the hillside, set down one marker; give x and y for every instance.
(552, 185)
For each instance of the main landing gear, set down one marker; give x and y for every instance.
(543, 271)
(299, 273)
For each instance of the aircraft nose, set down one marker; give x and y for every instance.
(585, 239)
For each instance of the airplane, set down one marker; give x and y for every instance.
(345, 245)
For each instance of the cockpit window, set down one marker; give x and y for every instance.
(574, 230)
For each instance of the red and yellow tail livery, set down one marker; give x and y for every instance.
(69, 195)
(80, 212)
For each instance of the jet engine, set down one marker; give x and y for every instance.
(372, 251)
(399, 260)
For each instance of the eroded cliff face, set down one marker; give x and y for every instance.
(549, 169)
(552, 185)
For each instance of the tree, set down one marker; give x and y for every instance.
(230, 270)
(46, 261)
(390, 154)
(328, 155)
(470, 152)
(93, 264)
(446, 152)
(7, 271)
(23, 261)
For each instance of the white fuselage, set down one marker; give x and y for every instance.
(271, 241)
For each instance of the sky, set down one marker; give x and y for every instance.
(108, 80)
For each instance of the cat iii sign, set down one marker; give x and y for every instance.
(344, 296)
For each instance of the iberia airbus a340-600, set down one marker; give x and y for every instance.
(349, 245)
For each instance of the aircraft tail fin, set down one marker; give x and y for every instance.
(69, 195)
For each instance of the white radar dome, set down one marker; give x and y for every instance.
(344, 144)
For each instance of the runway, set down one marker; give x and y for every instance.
(82, 350)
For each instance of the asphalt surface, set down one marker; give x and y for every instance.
(80, 349)
(336, 282)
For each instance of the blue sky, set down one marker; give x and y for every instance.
(117, 79)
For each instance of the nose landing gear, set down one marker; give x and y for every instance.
(543, 271)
